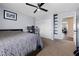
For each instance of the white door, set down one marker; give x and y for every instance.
(75, 29)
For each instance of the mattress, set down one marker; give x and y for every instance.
(18, 43)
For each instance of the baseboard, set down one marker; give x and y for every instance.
(44, 38)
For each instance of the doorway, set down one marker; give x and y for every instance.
(67, 27)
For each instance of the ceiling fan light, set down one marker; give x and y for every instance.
(38, 9)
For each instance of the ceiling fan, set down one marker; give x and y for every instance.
(38, 7)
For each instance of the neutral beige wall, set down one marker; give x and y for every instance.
(70, 27)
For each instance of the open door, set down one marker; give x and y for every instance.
(67, 28)
(70, 32)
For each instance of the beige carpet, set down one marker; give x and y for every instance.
(57, 48)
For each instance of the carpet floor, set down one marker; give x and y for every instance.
(57, 48)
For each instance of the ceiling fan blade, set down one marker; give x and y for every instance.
(41, 4)
(38, 4)
(43, 9)
(31, 5)
(35, 11)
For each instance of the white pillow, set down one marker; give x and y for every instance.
(25, 29)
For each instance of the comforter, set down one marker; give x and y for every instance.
(18, 44)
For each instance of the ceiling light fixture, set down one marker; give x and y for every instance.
(38, 9)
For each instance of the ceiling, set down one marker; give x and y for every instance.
(51, 7)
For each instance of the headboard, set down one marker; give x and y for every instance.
(11, 29)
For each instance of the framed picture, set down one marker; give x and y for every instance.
(10, 15)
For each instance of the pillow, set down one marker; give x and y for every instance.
(25, 29)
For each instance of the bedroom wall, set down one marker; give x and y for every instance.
(22, 20)
(45, 24)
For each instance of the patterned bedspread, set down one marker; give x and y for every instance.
(18, 43)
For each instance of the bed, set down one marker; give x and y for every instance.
(18, 43)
